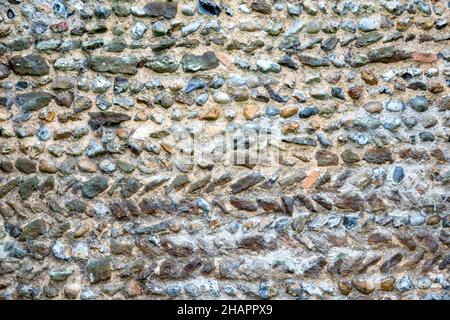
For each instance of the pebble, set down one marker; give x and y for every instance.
(395, 106)
(138, 30)
(72, 290)
(419, 103)
(367, 24)
(398, 174)
(268, 66)
(221, 97)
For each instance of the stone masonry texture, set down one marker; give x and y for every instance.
(95, 204)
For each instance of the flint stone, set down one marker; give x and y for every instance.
(313, 61)
(388, 54)
(193, 63)
(25, 165)
(349, 202)
(162, 64)
(28, 187)
(164, 9)
(33, 101)
(33, 230)
(246, 182)
(94, 186)
(378, 155)
(124, 64)
(106, 118)
(99, 270)
(243, 204)
(29, 65)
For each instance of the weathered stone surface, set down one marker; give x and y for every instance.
(94, 186)
(326, 158)
(164, 9)
(99, 269)
(246, 182)
(388, 54)
(123, 65)
(33, 230)
(194, 63)
(25, 165)
(29, 65)
(349, 202)
(8, 186)
(261, 6)
(4, 71)
(243, 204)
(378, 155)
(33, 101)
(148, 206)
(292, 179)
(28, 187)
(162, 64)
(349, 156)
(313, 61)
(107, 118)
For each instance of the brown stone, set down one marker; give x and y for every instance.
(212, 114)
(251, 111)
(156, 9)
(387, 284)
(59, 27)
(82, 230)
(226, 60)
(62, 133)
(375, 202)
(87, 165)
(373, 107)
(433, 220)
(345, 287)
(390, 263)
(177, 250)
(48, 116)
(435, 87)
(424, 57)
(310, 179)
(240, 95)
(378, 238)
(378, 155)
(253, 243)
(65, 98)
(326, 158)
(368, 77)
(349, 202)
(148, 206)
(288, 112)
(261, 6)
(132, 289)
(243, 204)
(6, 166)
(269, 205)
(362, 285)
(406, 240)
(355, 91)
(107, 118)
(291, 127)
(47, 166)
